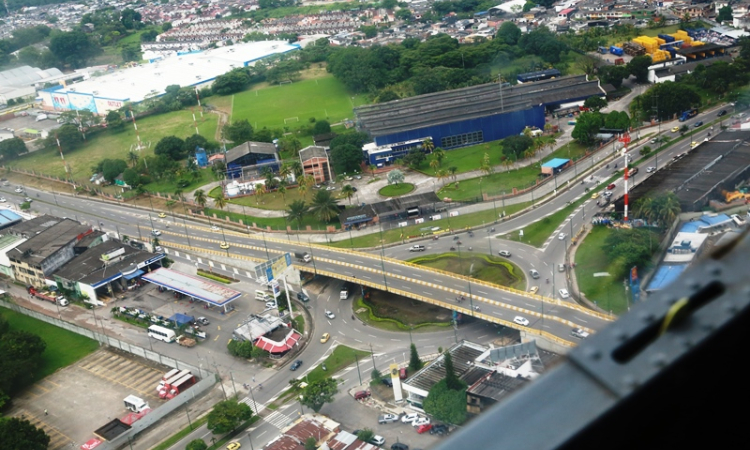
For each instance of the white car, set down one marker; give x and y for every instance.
(156, 232)
(19, 190)
(521, 321)
(409, 418)
(2, 200)
(564, 293)
(421, 421)
(330, 314)
(579, 333)
(562, 236)
(650, 169)
(505, 253)
(271, 305)
(214, 228)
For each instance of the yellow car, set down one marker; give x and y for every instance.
(595, 195)
(224, 246)
(533, 289)
(234, 445)
(693, 144)
(325, 338)
(675, 129)
(162, 215)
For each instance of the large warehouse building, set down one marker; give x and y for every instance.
(465, 116)
(111, 91)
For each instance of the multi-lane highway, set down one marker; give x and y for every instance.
(383, 269)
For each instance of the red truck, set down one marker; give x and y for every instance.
(50, 297)
(178, 387)
(169, 378)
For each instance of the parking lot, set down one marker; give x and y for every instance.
(83, 397)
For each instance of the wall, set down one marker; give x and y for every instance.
(495, 127)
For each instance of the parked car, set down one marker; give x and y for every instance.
(295, 365)
(2, 200)
(202, 321)
(402, 373)
(359, 395)
(388, 418)
(439, 429)
(698, 124)
(564, 293)
(521, 321)
(424, 428)
(377, 440)
(399, 446)
(650, 169)
(421, 421)
(301, 296)
(387, 381)
(505, 253)
(410, 417)
(723, 112)
(607, 194)
(271, 305)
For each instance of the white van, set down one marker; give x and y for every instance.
(262, 296)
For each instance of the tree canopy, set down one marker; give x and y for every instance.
(587, 125)
(318, 393)
(73, 48)
(20, 434)
(239, 131)
(172, 147)
(414, 362)
(11, 148)
(447, 405)
(227, 416)
(20, 356)
(231, 82)
(346, 152)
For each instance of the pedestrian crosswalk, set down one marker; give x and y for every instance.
(275, 418)
(256, 407)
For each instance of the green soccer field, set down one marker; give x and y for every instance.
(321, 98)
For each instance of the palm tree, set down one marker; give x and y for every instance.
(434, 164)
(270, 178)
(220, 202)
(324, 206)
(348, 192)
(453, 170)
(282, 190)
(442, 174)
(309, 181)
(133, 158)
(439, 154)
(428, 146)
(372, 168)
(669, 209)
(284, 172)
(302, 188)
(259, 189)
(200, 198)
(297, 169)
(297, 211)
(551, 142)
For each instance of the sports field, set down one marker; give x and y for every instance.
(292, 105)
(111, 144)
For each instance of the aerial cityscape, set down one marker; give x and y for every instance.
(301, 225)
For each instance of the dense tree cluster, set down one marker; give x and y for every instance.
(346, 152)
(19, 433)
(665, 99)
(320, 392)
(11, 148)
(20, 357)
(227, 416)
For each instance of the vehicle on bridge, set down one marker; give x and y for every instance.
(417, 248)
(303, 256)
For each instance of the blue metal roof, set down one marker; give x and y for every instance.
(556, 162)
(7, 217)
(704, 221)
(665, 275)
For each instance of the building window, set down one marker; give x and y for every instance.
(460, 140)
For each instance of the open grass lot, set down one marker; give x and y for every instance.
(322, 98)
(63, 347)
(342, 356)
(608, 292)
(109, 144)
(505, 180)
(456, 223)
(467, 158)
(487, 268)
(396, 190)
(276, 223)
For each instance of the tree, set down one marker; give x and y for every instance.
(428, 146)
(11, 148)
(131, 52)
(73, 48)
(614, 75)
(114, 120)
(19, 434)
(348, 192)
(509, 32)
(297, 211)
(290, 144)
(220, 202)
(321, 127)
(451, 380)
(131, 177)
(320, 392)
(486, 164)
(414, 158)
(365, 435)
(439, 155)
(230, 82)
(171, 147)
(587, 125)
(447, 405)
(324, 206)
(196, 444)
(112, 168)
(200, 198)
(238, 132)
(414, 362)
(133, 158)
(516, 145)
(240, 349)
(227, 416)
(311, 443)
(396, 177)
(149, 35)
(346, 158)
(638, 67)
(725, 14)
(69, 136)
(595, 102)
(193, 141)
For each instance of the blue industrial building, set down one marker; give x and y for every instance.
(462, 117)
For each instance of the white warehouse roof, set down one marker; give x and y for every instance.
(111, 91)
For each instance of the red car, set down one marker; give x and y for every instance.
(361, 394)
(611, 186)
(424, 428)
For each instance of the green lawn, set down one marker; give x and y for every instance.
(506, 179)
(110, 144)
(458, 222)
(396, 190)
(167, 186)
(607, 291)
(467, 158)
(538, 232)
(276, 223)
(342, 356)
(488, 268)
(320, 98)
(63, 347)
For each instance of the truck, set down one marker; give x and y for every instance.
(178, 387)
(167, 380)
(617, 51)
(692, 112)
(135, 404)
(344, 294)
(49, 296)
(303, 256)
(185, 341)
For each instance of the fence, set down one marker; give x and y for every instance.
(208, 379)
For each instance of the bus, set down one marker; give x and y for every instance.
(161, 333)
